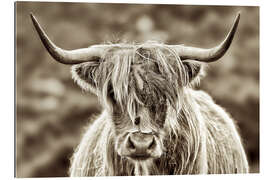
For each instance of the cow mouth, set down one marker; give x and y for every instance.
(140, 157)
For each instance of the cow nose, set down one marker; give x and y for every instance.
(141, 143)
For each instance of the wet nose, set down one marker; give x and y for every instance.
(141, 143)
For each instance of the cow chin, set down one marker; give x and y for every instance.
(148, 148)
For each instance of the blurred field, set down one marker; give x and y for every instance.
(52, 111)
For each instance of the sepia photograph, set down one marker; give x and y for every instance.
(114, 89)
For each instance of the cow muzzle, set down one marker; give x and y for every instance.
(141, 146)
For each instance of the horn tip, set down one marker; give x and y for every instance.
(32, 16)
(236, 20)
(238, 15)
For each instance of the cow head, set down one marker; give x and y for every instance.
(139, 85)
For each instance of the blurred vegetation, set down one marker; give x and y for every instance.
(52, 111)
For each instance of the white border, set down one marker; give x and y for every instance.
(7, 86)
(186, 2)
(7, 90)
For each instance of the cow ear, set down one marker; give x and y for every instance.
(85, 76)
(194, 69)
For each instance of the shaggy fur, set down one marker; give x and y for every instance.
(197, 136)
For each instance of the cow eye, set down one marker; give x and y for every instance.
(112, 96)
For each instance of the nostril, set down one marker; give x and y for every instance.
(152, 145)
(130, 144)
(137, 121)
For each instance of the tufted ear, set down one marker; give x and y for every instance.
(85, 75)
(194, 69)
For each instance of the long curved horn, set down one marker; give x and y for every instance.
(208, 55)
(66, 56)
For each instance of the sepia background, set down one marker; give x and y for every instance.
(52, 111)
